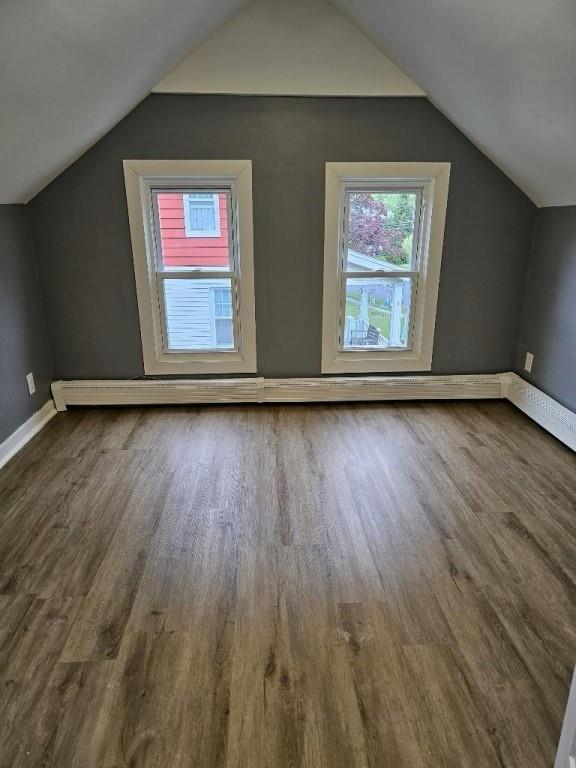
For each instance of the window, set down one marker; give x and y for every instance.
(202, 215)
(383, 247)
(223, 328)
(191, 228)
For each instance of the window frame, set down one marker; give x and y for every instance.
(189, 231)
(235, 177)
(433, 181)
(162, 273)
(412, 274)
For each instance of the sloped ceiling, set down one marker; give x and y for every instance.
(301, 47)
(503, 70)
(71, 69)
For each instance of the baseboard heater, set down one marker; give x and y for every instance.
(550, 414)
(262, 390)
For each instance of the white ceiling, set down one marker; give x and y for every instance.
(503, 70)
(301, 47)
(71, 69)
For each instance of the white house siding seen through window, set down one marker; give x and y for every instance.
(192, 314)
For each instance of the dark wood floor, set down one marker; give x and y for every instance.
(277, 586)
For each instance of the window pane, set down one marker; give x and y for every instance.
(224, 332)
(193, 230)
(380, 228)
(202, 214)
(222, 302)
(377, 312)
(191, 318)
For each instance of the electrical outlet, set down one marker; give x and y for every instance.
(30, 382)
(528, 362)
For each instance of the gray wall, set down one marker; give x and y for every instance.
(23, 342)
(81, 227)
(548, 325)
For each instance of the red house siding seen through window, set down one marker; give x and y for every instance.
(180, 250)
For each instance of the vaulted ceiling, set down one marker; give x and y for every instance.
(71, 69)
(504, 71)
(300, 47)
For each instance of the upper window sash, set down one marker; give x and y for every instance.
(348, 188)
(229, 191)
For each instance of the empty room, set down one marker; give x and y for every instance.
(288, 384)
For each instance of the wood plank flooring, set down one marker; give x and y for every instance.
(337, 586)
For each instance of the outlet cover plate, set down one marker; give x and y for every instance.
(30, 382)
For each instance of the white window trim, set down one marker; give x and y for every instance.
(139, 176)
(434, 178)
(190, 232)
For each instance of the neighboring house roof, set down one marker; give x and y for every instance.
(503, 70)
(360, 262)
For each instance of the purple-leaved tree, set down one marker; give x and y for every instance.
(372, 230)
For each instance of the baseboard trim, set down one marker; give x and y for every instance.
(18, 439)
(541, 408)
(544, 410)
(261, 390)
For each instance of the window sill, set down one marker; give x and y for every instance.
(376, 362)
(212, 363)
